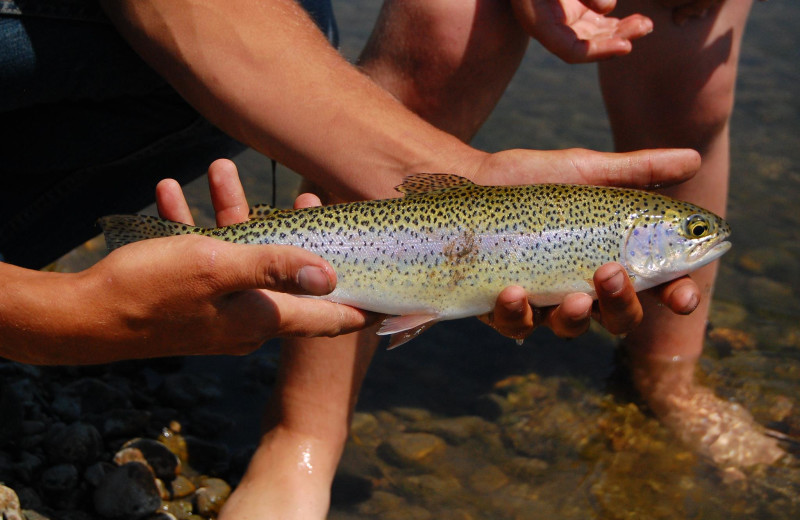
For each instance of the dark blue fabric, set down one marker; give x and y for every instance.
(86, 127)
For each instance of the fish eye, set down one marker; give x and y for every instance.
(697, 226)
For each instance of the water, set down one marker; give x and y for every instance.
(551, 429)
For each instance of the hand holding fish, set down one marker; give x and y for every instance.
(177, 296)
(445, 249)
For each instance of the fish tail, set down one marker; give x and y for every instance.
(124, 229)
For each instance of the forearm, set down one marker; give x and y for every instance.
(42, 318)
(264, 73)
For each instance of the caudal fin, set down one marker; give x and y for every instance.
(124, 229)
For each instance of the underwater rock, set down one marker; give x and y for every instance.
(164, 464)
(363, 423)
(185, 390)
(182, 487)
(12, 412)
(59, 478)
(408, 449)
(79, 443)
(9, 504)
(207, 457)
(171, 438)
(128, 492)
(211, 495)
(457, 430)
(488, 479)
(727, 340)
(125, 423)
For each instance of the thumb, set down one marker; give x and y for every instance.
(638, 169)
(279, 268)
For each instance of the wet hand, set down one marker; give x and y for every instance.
(579, 31)
(617, 308)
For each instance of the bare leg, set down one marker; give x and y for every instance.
(447, 60)
(432, 56)
(676, 89)
(306, 426)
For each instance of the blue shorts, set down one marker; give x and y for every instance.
(87, 128)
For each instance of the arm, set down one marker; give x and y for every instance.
(173, 296)
(264, 73)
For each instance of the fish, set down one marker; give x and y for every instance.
(446, 248)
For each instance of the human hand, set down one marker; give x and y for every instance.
(578, 31)
(618, 308)
(194, 295)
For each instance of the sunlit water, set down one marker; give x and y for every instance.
(551, 429)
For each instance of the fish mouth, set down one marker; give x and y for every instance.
(708, 252)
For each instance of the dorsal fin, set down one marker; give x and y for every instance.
(262, 211)
(426, 182)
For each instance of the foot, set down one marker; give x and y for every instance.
(719, 430)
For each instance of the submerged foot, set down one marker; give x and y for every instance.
(722, 431)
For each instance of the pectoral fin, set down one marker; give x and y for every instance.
(405, 328)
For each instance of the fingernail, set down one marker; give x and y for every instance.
(614, 283)
(314, 280)
(690, 298)
(515, 307)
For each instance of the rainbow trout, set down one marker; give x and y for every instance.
(448, 247)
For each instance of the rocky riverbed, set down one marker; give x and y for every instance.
(435, 436)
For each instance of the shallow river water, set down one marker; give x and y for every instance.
(464, 424)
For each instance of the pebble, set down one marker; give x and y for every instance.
(164, 464)
(408, 449)
(488, 479)
(79, 443)
(9, 504)
(127, 493)
(727, 340)
(211, 495)
(363, 423)
(432, 487)
(185, 390)
(59, 478)
(457, 430)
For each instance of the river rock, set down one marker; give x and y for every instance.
(164, 464)
(128, 492)
(12, 413)
(9, 504)
(211, 495)
(125, 423)
(409, 449)
(488, 479)
(457, 430)
(186, 390)
(79, 443)
(59, 478)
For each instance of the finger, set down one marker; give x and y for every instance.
(682, 296)
(620, 310)
(227, 194)
(171, 203)
(572, 317)
(638, 169)
(306, 317)
(306, 200)
(226, 267)
(633, 27)
(512, 315)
